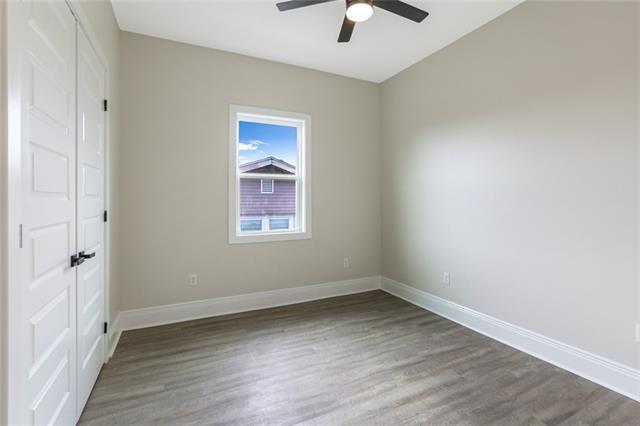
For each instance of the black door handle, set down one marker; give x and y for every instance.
(76, 260)
(83, 256)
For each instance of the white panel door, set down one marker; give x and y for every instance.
(91, 163)
(42, 323)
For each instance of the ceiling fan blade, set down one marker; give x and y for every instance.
(401, 8)
(296, 4)
(346, 30)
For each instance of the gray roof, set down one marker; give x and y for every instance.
(268, 163)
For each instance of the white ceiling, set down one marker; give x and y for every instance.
(380, 47)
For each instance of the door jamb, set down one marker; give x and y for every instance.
(11, 165)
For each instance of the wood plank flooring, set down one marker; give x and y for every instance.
(369, 358)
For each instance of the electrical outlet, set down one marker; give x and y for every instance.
(193, 279)
(638, 332)
(446, 279)
(345, 262)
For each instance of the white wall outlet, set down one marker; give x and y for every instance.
(345, 262)
(638, 332)
(446, 279)
(193, 279)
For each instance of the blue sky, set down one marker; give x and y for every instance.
(259, 140)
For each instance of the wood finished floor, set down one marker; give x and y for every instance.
(369, 358)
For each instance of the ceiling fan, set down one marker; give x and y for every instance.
(359, 11)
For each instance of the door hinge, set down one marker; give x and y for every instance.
(105, 328)
(104, 104)
(104, 216)
(20, 236)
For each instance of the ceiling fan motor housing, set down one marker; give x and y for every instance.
(350, 2)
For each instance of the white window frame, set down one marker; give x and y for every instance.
(302, 122)
(273, 184)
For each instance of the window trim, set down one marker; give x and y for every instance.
(273, 184)
(303, 173)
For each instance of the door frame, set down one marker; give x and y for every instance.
(11, 169)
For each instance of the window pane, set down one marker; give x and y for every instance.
(267, 186)
(278, 223)
(250, 225)
(280, 204)
(267, 148)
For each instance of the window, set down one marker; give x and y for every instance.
(276, 223)
(266, 186)
(251, 224)
(269, 185)
(267, 223)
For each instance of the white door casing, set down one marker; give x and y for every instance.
(42, 317)
(90, 208)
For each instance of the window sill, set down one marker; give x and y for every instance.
(269, 237)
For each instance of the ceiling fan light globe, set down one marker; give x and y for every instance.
(359, 12)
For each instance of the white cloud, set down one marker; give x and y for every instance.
(252, 145)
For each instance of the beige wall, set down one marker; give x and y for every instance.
(510, 159)
(103, 23)
(173, 159)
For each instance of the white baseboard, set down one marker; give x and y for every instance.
(167, 314)
(610, 374)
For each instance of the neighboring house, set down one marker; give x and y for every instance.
(267, 204)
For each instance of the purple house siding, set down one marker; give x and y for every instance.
(281, 202)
